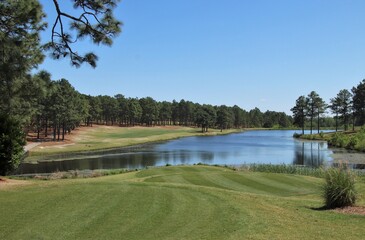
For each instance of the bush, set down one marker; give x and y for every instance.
(339, 189)
(351, 144)
(12, 141)
(360, 137)
(297, 135)
(339, 140)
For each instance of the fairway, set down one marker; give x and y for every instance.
(183, 202)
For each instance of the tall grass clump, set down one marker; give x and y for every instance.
(286, 169)
(339, 188)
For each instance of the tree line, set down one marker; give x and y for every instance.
(347, 107)
(55, 108)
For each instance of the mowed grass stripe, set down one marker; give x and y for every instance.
(63, 211)
(259, 183)
(196, 175)
(193, 210)
(134, 210)
(295, 183)
(263, 183)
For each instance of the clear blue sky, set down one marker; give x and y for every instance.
(261, 53)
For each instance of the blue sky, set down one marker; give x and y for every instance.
(261, 53)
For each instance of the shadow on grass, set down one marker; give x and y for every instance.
(323, 208)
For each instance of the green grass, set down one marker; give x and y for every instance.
(183, 202)
(107, 137)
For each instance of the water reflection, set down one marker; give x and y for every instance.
(126, 160)
(274, 147)
(313, 154)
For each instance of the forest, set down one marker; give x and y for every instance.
(56, 108)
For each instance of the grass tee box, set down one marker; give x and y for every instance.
(107, 137)
(183, 202)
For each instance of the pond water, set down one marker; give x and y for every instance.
(274, 147)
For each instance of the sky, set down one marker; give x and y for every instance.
(250, 53)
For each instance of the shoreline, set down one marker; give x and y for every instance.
(348, 157)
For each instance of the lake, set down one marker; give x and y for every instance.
(264, 146)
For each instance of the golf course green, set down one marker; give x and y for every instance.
(182, 202)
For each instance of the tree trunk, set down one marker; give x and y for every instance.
(38, 126)
(58, 132)
(54, 131)
(63, 131)
(46, 131)
(318, 123)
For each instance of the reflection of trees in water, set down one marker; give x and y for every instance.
(130, 160)
(184, 157)
(48, 167)
(224, 154)
(140, 160)
(166, 157)
(206, 157)
(309, 154)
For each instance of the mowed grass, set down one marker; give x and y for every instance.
(182, 202)
(107, 137)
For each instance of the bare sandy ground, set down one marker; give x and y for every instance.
(358, 210)
(6, 183)
(348, 157)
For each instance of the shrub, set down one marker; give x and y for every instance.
(339, 140)
(297, 135)
(351, 144)
(12, 141)
(360, 137)
(339, 188)
(360, 145)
